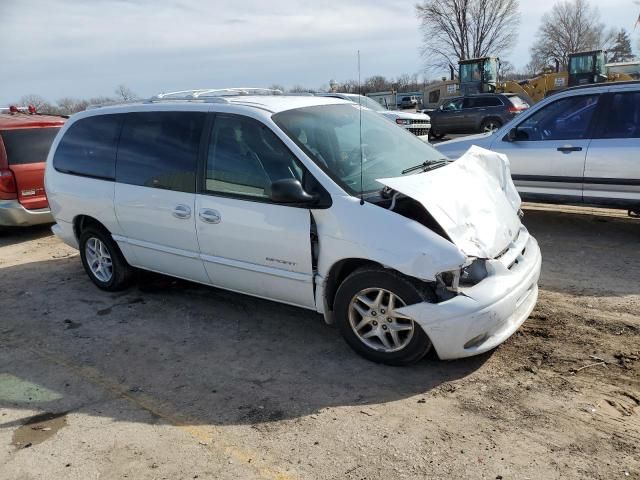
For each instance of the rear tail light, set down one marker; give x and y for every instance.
(8, 189)
(516, 109)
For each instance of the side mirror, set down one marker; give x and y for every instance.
(290, 191)
(512, 136)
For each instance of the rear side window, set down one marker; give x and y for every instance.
(89, 147)
(624, 117)
(482, 102)
(160, 150)
(29, 145)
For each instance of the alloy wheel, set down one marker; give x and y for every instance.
(99, 259)
(374, 319)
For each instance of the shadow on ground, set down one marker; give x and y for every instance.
(173, 346)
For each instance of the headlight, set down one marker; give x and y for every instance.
(467, 276)
(403, 121)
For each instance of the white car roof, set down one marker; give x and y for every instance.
(270, 103)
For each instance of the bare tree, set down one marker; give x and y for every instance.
(455, 30)
(37, 101)
(124, 94)
(570, 26)
(69, 105)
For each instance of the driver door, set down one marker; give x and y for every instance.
(248, 243)
(548, 155)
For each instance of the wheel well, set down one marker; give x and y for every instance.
(82, 222)
(492, 118)
(338, 273)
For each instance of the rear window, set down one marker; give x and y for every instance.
(29, 145)
(516, 101)
(160, 150)
(88, 148)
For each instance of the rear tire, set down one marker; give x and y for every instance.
(365, 311)
(490, 125)
(102, 260)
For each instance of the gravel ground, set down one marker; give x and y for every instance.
(179, 381)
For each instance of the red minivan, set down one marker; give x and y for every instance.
(25, 139)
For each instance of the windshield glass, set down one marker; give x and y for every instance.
(366, 102)
(330, 136)
(581, 64)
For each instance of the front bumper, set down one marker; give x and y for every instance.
(13, 214)
(483, 316)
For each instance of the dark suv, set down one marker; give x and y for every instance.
(475, 113)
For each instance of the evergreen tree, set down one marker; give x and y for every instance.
(621, 50)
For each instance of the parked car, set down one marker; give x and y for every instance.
(306, 201)
(579, 146)
(475, 113)
(417, 123)
(25, 139)
(409, 102)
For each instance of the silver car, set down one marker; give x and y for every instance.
(580, 146)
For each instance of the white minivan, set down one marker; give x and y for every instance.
(309, 201)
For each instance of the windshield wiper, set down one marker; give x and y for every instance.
(426, 166)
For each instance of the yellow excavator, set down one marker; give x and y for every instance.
(480, 75)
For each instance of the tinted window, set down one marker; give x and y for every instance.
(624, 116)
(160, 150)
(245, 157)
(89, 147)
(451, 105)
(29, 145)
(488, 102)
(565, 119)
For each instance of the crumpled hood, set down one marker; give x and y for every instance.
(473, 199)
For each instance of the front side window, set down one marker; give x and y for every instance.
(624, 117)
(245, 157)
(565, 119)
(29, 145)
(452, 105)
(89, 147)
(160, 150)
(330, 135)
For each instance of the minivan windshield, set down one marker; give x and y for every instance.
(366, 102)
(330, 135)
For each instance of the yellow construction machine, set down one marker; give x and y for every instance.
(480, 75)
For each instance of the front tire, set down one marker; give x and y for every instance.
(103, 261)
(366, 307)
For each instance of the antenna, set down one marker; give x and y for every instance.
(360, 119)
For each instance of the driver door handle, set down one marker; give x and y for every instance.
(208, 215)
(182, 211)
(569, 149)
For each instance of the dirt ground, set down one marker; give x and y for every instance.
(172, 380)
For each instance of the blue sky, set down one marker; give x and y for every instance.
(85, 48)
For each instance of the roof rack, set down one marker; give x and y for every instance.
(214, 95)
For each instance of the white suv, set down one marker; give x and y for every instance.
(308, 201)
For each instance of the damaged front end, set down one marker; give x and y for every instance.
(474, 204)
